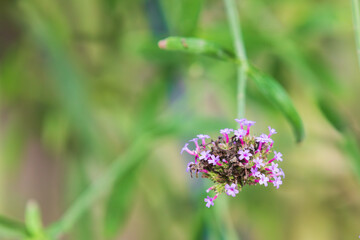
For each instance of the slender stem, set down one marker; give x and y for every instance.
(226, 224)
(242, 70)
(356, 19)
(229, 231)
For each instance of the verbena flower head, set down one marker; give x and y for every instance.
(232, 162)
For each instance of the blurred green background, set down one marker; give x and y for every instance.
(83, 82)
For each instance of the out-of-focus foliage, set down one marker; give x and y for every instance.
(271, 89)
(82, 81)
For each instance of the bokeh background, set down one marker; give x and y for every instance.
(82, 82)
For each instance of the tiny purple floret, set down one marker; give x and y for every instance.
(231, 189)
(281, 172)
(241, 121)
(209, 201)
(209, 189)
(264, 139)
(259, 163)
(244, 154)
(263, 180)
(277, 182)
(239, 133)
(195, 140)
(248, 124)
(278, 156)
(226, 133)
(203, 137)
(255, 172)
(204, 155)
(214, 160)
(185, 148)
(274, 168)
(272, 131)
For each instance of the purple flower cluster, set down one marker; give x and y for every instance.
(234, 161)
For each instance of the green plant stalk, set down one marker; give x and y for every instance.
(226, 225)
(240, 52)
(356, 19)
(242, 71)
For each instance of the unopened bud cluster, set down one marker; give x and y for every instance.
(234, 161)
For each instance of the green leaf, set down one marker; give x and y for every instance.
(328, 108)
(12, 229)
(270, 88)
(196, 46)
(351, 146)
(276, 94)
(33, 221)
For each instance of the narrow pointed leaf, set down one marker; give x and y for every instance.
(33, 220)
(351, 146)
(328, 109)
(12, 229)
(276, 94)
(196, 46)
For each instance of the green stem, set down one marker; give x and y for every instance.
(228, 229)
(242, 70)
(226, 224)
(356, 19)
